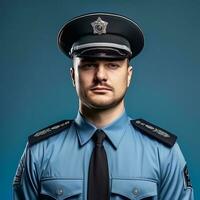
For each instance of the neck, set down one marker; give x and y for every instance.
(101, 117)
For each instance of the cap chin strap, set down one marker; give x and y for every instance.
(100, 44)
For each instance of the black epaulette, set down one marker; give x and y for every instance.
(155, 132)
(49, 131)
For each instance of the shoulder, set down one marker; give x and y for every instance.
(154, 132)
(49, 131)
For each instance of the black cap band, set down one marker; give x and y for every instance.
(101, 46)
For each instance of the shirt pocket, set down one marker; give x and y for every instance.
(61, 189)
(133, 189)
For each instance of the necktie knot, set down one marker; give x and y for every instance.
(99, 137)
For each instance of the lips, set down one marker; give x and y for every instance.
(101, 88)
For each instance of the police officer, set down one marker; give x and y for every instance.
(102, 154)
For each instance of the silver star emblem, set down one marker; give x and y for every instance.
(99, 26)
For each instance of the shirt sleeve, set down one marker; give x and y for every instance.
(25, 183)
(175, 181)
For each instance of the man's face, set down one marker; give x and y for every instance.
(102, 83)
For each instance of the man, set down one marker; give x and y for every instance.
(102, 154)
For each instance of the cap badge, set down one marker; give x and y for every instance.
(99, 26)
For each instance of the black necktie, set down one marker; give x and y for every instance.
(98, 179)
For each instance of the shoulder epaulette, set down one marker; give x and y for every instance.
(155, 132)
(49, 131)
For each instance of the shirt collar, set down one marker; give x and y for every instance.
(114, 131)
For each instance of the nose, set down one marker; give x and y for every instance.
(101, 74)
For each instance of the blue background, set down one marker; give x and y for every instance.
(35, 84)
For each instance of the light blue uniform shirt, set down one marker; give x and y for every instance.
(139, 167)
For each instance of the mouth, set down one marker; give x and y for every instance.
(101, 89)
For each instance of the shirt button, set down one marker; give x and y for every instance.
(136, 191)
(59, 191)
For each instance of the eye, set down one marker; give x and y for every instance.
(113, 65)
(87, 66)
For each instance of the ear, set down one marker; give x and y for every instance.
(130, 72)
(72, 76)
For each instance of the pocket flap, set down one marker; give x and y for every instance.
(134, 188)
(61, 188)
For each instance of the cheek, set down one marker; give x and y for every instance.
(83, 80)
(121, 82)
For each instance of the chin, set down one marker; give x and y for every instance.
(103, 105)
(102, 102)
